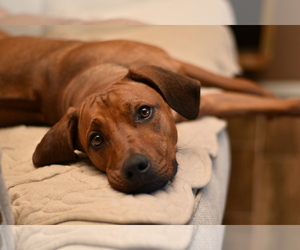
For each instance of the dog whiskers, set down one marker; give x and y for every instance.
(185, 145)
(179, 152)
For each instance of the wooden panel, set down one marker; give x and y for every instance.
(277, 189)
(265, 179)
(239, 202)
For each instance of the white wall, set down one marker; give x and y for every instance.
(287, 12)
(21, 7)
(281, 12)
(277, 12)
(247, 11)
(24, 6)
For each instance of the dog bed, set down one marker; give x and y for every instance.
(210, 47)
(113, 237)
(162, 12)
(74, 194)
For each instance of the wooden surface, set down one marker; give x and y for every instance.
(265, 175)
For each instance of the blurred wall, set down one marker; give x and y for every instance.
(284, 12)
(247, 11)
(259, 237)
(276, 12)
(19, 6)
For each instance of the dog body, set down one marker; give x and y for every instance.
(117, 102)
(47, 71)
(93, 95)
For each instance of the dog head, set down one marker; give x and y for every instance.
(127, 130)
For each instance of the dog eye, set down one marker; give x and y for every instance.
(144, 112)
(96, 140)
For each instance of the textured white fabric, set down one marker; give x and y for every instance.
(99, 237)
(6, 238)
(5, 207)
(162, 12)
(56, 194)
(113, 237)
(211, 207)
(118, 237)
(191, 12)
(208, 237)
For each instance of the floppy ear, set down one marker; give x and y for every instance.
(180, 92)
(57, 146)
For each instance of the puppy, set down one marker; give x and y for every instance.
(116, 101)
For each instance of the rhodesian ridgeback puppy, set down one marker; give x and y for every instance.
(116, 101)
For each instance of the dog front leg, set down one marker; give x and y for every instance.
(15, 111)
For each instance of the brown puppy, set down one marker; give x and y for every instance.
(112, 100)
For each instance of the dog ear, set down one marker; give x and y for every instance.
(180, 92)
(57, 146)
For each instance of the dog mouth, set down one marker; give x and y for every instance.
(147, 188)
(144, 184)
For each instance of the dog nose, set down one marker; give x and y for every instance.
(136, 167)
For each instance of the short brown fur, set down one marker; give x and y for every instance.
(98, 92)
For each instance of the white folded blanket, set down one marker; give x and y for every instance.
(111, 237)
(79, 192)
(103, 237)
